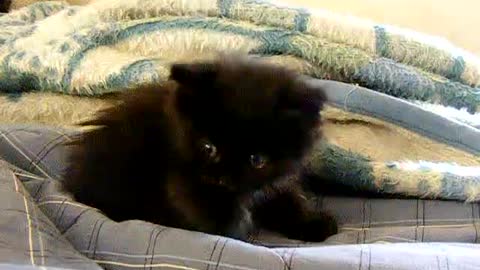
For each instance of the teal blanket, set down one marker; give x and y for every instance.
(34, 57)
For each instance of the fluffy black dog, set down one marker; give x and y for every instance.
(216, 149)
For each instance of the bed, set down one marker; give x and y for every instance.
(410, 172)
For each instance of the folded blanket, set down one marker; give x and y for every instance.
(100, 48)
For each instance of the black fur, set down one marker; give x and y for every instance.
(5, 5)
(216, 149)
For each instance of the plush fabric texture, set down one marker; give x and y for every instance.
(124, 32)
(356, 172)
(60, 77)
(461, 115)
(17, 4)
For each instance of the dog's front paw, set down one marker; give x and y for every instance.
(241, 228)
(317, 228)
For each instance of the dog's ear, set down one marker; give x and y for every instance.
(196, 81)
(193, 74)
(302, 98)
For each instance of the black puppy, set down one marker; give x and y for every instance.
(5, 6)
(215, 149)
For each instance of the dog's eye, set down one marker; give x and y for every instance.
(209, 150)
(258, 161)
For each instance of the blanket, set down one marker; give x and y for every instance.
(42, 227)
(59, 77)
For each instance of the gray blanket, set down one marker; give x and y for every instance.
(41, 228)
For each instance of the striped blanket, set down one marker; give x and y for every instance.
(60, 63)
